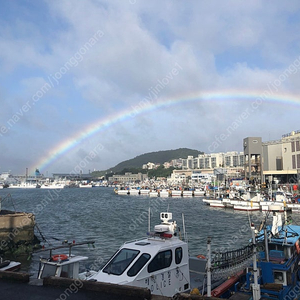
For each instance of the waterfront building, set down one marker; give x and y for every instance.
(128, 178)
(199, 177)
(179, 176)
(281, 159)
(253, 159)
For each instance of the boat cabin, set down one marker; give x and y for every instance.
(67, 266)
(62, 265)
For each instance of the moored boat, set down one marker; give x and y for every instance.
(8, 265)
(164, 193)
(134, 191)
(176, 193)
(154, 193)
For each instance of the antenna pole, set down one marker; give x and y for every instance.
(184, 233)
(149, 212)
(255, 285)
(183, 226)
(208, 267)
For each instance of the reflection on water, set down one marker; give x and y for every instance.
(99, 214)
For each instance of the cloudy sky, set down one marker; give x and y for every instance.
(88, 84)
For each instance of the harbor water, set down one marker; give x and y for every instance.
(98, 214)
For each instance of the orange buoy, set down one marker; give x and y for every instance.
(297, 247)
(201, 256)
(59, 257)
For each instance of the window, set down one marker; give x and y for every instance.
(160, 261)
(279, 277)
(49, 270)
(293, 146)
(297, 146)
(178, 255)
(138, 265)
(298, 161)
(67, 271)
(121, 261)
(294, 161)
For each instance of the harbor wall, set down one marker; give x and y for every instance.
(16, 229)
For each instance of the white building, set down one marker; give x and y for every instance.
(281, 158)
(214, 160)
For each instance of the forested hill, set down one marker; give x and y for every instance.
(155, 157)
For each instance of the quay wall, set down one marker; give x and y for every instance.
(16, 226)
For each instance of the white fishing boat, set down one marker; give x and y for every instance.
(253, 206)
(144, 192)
(122, 192)
(164, 193)
(85, 185)
(269, 205)
(24, 185)
(187, 193)
(154, 193)
(199, 193)
(134, 192)
(176, 193)
(52, 185)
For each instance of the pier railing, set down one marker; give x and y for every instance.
(229, 263)
(230, 258)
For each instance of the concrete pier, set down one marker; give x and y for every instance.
(16, 230)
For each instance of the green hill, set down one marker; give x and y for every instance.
(154, 157)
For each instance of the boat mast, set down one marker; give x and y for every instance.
(149, 212)
(255, 285)
(208, 267)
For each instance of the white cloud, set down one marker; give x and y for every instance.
(214, 46)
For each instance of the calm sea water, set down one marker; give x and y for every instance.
(110, 220)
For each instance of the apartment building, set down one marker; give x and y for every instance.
(214, 160)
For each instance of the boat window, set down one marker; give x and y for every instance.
(279, 277)
(121, 261)
(160, 261)
(178, 255)
(138, 265)
(67, 271)
(49, 270)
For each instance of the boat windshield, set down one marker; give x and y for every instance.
(48, 270)
(121, 261)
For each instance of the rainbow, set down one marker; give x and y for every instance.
(146, 106)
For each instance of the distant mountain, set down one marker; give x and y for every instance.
(155, 157)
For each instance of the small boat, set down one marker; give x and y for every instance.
(134, 191)
(176, 193)
(85, 185)
(199, 193)
(214, 202)
(52, 186)
(122, 191)
(7, 265)
(164, 193)
(187, 193)
(246, 207)
(154, 193)
(61, 265)
(144, 191)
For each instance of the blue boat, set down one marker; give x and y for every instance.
(274, 272)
